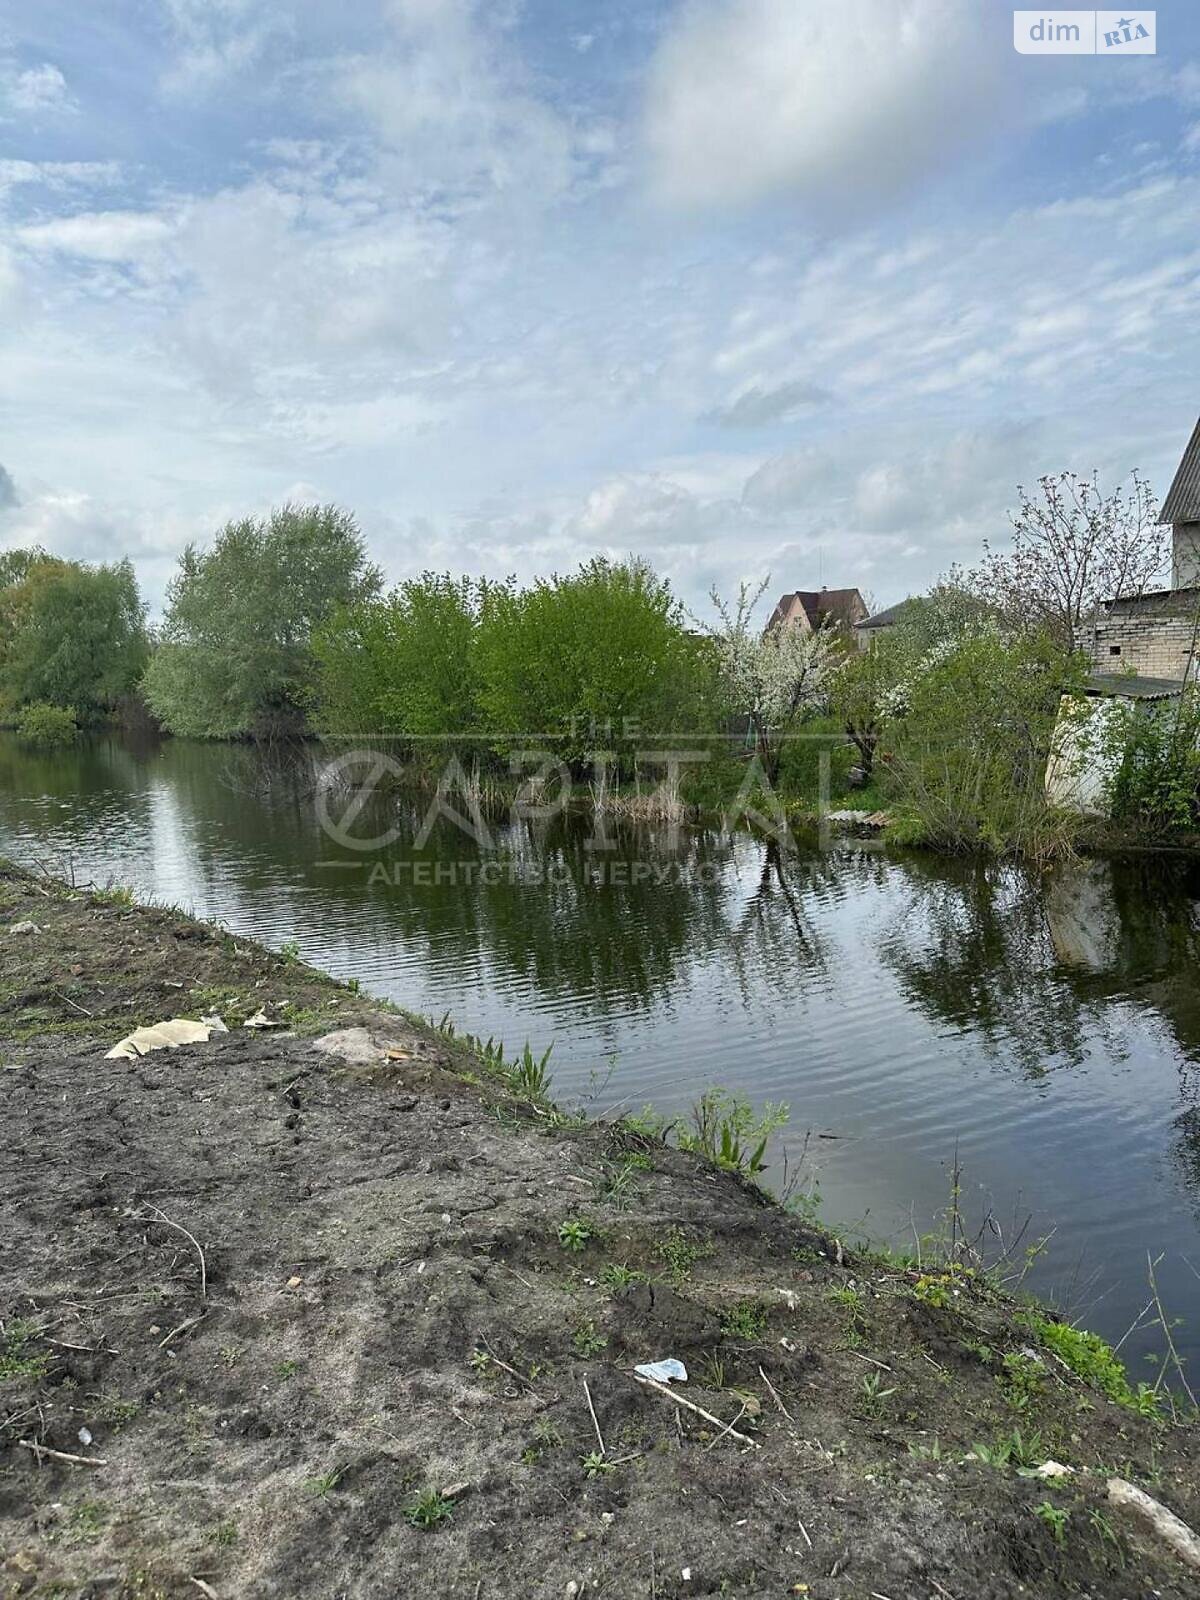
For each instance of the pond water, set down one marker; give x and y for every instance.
(1044, 1026)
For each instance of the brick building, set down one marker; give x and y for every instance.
(1157, 635)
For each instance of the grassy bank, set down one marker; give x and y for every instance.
(286, 1314)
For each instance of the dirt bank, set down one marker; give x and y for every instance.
(326, 1328)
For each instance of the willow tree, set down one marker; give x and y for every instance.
(236, 651)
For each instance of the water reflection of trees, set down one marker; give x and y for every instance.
(1031, 961)
(972, 949)
(1044, 967)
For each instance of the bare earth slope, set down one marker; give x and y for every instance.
(290, 1308)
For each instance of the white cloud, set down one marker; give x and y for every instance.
(646, 510)
(8, 489)
(216, 40)
(452, 105)
(787, 481)
(34, 92)
(840, 105)
(10, 281)
(114, 236)
(56, 175)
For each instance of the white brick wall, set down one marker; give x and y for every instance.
(1155, 647)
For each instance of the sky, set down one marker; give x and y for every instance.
(739, 286)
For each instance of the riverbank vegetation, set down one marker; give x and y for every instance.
(72, 639)
(351, 1301)
(601, 680)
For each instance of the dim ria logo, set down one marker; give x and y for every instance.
(1084, 33)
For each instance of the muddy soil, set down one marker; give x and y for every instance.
(336, 1324)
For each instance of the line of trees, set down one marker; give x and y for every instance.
(282, 626)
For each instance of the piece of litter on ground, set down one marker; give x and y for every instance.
(162, 1036)
(294, 1282)
(24, 927)
(1053, 1469)
(663, 1371)
(260, 1019)
(686, 1574)
(84, 1436)
(213, 1023)
(354, 1045)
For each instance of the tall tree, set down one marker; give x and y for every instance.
(1073, 546)
(236, 652)
(70, 635)
(402, 665)
(600, 659)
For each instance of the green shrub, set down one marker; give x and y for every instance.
(1156, 787)
(46, 726)
(1091, 1359)
(727, 1131)
(968, 746)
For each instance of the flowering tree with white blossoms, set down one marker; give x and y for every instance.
(775, 677)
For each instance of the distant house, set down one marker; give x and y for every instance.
(879, 622)
(1156, 635)
(842, 609)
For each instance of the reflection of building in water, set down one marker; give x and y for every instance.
(1081, 913)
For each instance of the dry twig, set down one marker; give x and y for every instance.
(775, 1395)
(690, 1405)
(595, 1424)
(161, 1216)
(41, 1450)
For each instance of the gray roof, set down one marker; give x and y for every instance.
(1183, 497)
(884, 619)
(1155, 603)
(1131, 687)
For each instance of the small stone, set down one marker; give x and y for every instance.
(24, 927)
(294, 1282)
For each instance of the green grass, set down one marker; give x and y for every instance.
(615, 1275)
(679, 1254)
(744, 1321)
(587, 1340)
(17, 1360)
(428, 1509)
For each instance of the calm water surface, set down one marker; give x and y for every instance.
(1045, 1025)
